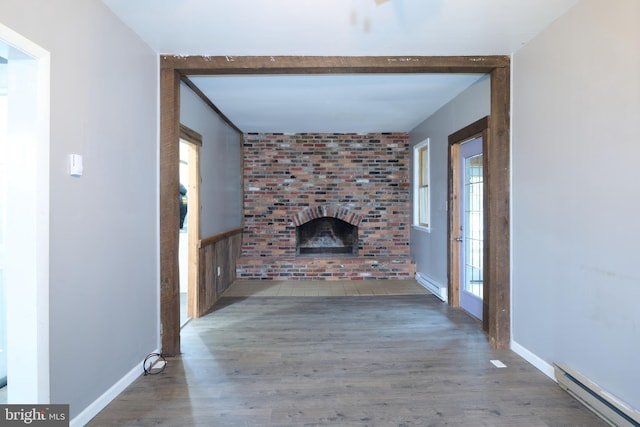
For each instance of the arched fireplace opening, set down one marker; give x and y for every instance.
(326, 236)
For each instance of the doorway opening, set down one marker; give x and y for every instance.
(4, 118)
(497, 159)
(183, 248)
(467, 248)
(189, 222)
(24, 218)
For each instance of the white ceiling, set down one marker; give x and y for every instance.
(335, 103)
(332, 103)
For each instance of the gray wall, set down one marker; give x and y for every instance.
(575, 142)
(429, 249)
(220, 165)
(103, 295)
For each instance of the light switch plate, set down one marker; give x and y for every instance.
(75, 165)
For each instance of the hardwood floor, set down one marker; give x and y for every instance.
(384, 360)
(315, 288)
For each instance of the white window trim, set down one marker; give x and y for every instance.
(416, 185)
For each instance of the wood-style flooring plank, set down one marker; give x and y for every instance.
(401, 360)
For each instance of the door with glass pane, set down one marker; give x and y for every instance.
(471, 238)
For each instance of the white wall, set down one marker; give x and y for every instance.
(429, 249)
(220, 165)
(103, 292)
(575, 149)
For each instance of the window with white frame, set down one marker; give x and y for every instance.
(421, 192)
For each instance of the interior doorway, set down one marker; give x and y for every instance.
(467, 224)
(4, 118)
(174, 68)
(189, 226)
(24, 217)
(183, 248)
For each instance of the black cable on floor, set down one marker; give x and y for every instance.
(150, 362)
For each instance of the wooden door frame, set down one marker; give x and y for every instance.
(175, 67)
(477, 129)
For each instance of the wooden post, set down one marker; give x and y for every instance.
(169, 210)
(497, 276)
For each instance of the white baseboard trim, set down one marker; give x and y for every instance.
(432, 286)
(100, 403)
(542, 365)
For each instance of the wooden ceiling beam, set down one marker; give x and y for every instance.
(217, 65)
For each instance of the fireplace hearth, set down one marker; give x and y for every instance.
(326, 236)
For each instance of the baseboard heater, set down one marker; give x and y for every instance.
(432, 286)
(599, 401)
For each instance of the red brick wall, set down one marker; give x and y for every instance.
(287, 174)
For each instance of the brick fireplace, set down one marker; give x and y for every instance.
(326, 234)
(359, 182)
